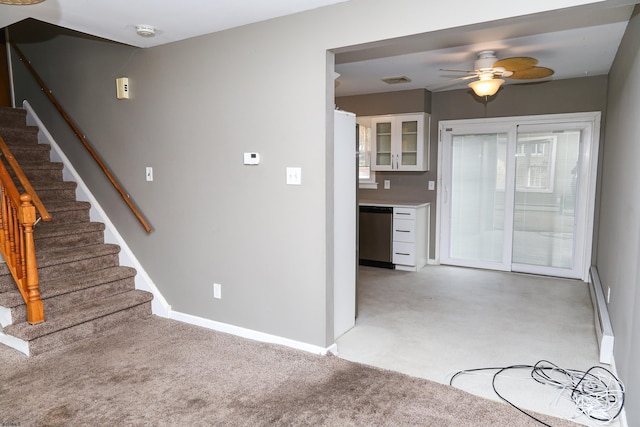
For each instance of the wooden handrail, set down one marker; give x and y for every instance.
(17, 217)
(82, 139)
(44, 214)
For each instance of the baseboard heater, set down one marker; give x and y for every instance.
(601, 315)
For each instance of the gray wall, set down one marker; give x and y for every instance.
(197, 106)
(561, 96)
(618, 251)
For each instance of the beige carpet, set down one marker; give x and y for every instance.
(166, 373)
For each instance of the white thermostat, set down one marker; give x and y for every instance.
(251, 158)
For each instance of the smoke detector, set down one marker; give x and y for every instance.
(145, 30)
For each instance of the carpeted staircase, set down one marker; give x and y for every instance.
(84, 289)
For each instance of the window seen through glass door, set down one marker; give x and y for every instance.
(545, 199)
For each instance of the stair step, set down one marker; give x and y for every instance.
(31, 153)
(41, 171)
(72, 261)
(53, 191)
(83, 321)
(63, 294)
(53, 237)
(66, 212)
(67, 262)
(13, 116)
(19, 135)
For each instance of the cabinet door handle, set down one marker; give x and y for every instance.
(403, 231)
(402, 253)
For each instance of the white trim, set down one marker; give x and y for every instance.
(603, 327)
(159, 305)
(15, 343)
(6, 318)
(366, 185)
(623, 415)
(251, 334)
(12, 87)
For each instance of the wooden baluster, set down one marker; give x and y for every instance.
(11, 218)
(15, 240)
(22, 253)
(35, 307)
(5, 223)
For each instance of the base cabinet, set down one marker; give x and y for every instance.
(410, 237)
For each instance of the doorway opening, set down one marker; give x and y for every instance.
(518, 193)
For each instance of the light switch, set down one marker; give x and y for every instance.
(387, 184)
(294, 176)
(432, 185)
(149, 173)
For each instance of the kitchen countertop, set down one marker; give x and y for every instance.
(393, 204)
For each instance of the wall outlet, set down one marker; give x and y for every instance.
(432, 185)
(294, 176)
(217, 290)
(387, 184)
(608, 294)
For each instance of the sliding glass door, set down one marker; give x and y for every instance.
(515, 196)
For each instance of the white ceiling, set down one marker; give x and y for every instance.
(174, 20)
(574, 42)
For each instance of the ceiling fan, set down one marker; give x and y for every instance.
(490, 72)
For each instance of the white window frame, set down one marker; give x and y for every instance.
(364, 138)
(551, 162)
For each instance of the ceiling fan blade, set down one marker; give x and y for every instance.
(444, 85)
(517, 63)
(473, 76)
(532, 73)
(458, 71)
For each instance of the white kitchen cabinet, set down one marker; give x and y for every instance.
(400, 142)
(410, 237)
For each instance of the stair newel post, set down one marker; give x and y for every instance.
(35, 307)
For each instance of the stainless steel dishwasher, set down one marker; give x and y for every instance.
(375, 230)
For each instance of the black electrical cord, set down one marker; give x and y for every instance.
(578, 380)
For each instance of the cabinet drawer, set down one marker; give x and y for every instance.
(404, 230)
(404, 253)
(404, 213)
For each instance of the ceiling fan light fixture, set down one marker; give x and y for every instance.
(486, 87)
(20, 2)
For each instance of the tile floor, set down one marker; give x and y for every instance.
(440, 320)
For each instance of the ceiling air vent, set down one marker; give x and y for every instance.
(396, 80)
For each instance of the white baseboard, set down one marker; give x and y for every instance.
(159, 304)
(15, 343)
(250, 333)
(603, 327)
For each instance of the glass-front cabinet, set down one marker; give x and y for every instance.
(400, 142)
